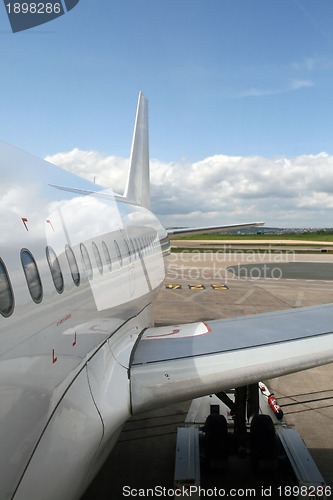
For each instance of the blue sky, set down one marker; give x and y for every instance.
(223, 77)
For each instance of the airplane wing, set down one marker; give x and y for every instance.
(182, 362)
(192, 231)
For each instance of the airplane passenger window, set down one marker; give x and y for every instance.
(32, 276)
(54, 266)
(118, 253)
(97, 258)
(86, 261)
(128, 250)
(107, 255)
(136, 246)
(73, 265)
(132, 249)
(6, 292)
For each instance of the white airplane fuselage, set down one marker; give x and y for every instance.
(78, 273)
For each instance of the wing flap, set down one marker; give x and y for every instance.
(172, 364)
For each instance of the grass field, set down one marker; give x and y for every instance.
(320, 236)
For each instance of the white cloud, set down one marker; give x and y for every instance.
(108, 171)
(300, 84)
(310, 64)
(256, 92)
(290, 87)
(224, 189)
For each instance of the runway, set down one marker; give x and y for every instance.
(292, 270)
(257, 244)
(144, 455)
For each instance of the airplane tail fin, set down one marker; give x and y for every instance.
(138, 183)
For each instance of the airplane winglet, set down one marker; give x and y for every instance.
(138, 183)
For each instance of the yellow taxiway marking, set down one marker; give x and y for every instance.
(220, 287)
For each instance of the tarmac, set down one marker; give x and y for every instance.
(203, 286)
